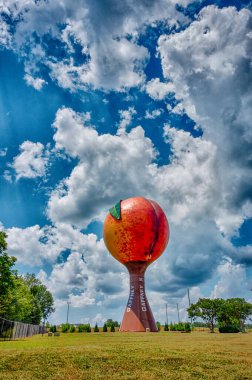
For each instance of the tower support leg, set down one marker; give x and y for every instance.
(138, 315)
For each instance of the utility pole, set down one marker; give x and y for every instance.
(68, 303)
(178, 313)
(166, 314)
(189, 301)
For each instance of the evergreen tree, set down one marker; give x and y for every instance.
(105, 329)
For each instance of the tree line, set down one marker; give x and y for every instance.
(22, 298)
(229, 314)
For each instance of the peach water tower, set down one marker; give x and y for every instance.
(136, 233)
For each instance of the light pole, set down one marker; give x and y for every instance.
(68, 304)
(178, 313)
(189, 301)
(166, 314)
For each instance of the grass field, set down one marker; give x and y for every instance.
(146, 356)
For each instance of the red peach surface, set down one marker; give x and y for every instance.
(141, 234)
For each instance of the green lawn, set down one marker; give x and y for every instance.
(146, 356)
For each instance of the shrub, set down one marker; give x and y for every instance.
(229, 329)
(110, 322)
(85, 328)
(53, 329)
(181, 326)
(105, 329)
(72, 328)
(96, 328)
(112, 328)
(65, 327)
(166, 327)
(187, 327)
(158, 324)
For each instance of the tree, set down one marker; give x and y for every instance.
(110, 322)
(112, 328)
(234, 312)
(43, 299)
(23, 299)
(96, 328)
(20, 302)
(7, 275)
(207, 309)
(105, 329)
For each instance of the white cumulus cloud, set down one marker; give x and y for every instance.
(158, 90)
(31, 162)
(37, 83)
(209, 66)
(108, 166)
(106, 32)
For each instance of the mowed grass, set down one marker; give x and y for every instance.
(147, 356)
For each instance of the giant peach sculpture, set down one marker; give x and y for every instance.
(136, 233)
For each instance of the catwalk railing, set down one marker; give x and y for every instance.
(10, 330)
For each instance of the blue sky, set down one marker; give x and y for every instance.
(100, 102)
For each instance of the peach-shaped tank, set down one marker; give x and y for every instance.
(136, 233)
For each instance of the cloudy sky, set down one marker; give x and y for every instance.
(101, 100)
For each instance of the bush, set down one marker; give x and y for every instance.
(229, 329)
(181, 326)
(65, 327)
(187, 326)
(86, 328)
(53, 329)
(166, 327)
(105, 329)
(96, 328)
(72, 329)
(158, 324)
(110, 322)
(112, 328)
